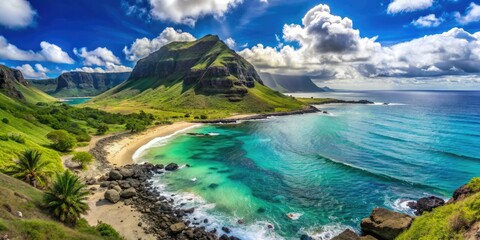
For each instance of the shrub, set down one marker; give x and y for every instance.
(102, 129)
(458, 222)
(82, 158)
(107, 231)
(135, 126)
(4, 137)
(65, 200)
(17, 138)
(187, 115)
(5, 120)
(203, 116)
(3, 227)
(62, 140)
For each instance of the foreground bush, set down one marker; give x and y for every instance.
(62, 140)
(82, 158)
(65, 200)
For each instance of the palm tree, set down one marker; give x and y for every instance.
(31, 169)
(66, 198)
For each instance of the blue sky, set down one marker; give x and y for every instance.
(365, 44)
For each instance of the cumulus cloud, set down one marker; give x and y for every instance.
(142, 47)
(49, 53)
(472, 14)
(230, 42)
(189, 11)
(99, 57)
(427, 21)
(398, 6)
(109, 68)
(330, 48)
(29, 72)
(16, 13)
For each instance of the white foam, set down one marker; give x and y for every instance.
(159, 141)
(387, 104)
(216, 220)
(399, 205)
(325, 232)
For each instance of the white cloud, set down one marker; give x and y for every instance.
(189, 11)
(427, 21)
(16, 13)
(398, 6)
(142, 47)
(29, 72)
(49, 53)
(330, 48)
(99, 57)
(472, 14)
(109, 68)
(230, 42)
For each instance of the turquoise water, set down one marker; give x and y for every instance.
(75, 100)
(332, 169)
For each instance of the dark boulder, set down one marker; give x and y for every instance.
(171, 167)
(385, 224)
(347, 235)
(128, 193)
(426, 204)
(112, 195)
(115, 175)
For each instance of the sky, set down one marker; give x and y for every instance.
(361, 44)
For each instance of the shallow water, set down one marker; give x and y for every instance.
(75, 100)
(332, 169)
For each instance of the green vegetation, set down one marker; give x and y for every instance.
(31, 168)
(82, 158)
(317, 100)
(36, 223)
(65, 200)
(449, 221)
(102, 129)
(62, 140)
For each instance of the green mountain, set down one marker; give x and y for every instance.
(13, 85)
(199, 76)
(290, 84)
(80, 84)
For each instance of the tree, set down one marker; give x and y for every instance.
(135, 126)
(82, 158)
(31, 169)
(102, 129)
(62, 140)
(65, 200)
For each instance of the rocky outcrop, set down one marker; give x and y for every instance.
(426, 204)
(207, 64)
(112, 195)
(87, 84)
(385, 224)
(171, 167)
(347, 235)
(290, 84)
(8, 79)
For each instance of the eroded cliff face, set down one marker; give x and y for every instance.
(207, 64)
(8, 78)
(90, 81)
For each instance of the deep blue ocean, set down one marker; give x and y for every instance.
(329, 170)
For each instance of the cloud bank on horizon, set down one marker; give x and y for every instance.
(444, 49)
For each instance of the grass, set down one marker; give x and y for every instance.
(449, 221)
(316, 100)
(17, 196)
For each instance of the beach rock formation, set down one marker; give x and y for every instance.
(112, 195)
(347, 235)
(128, 193)
(171, 167)
(426, 204)
(115, 175)
(385, 224)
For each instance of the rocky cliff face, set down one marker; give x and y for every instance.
(285, 83)
(207, 64)
(8, 79)
(85, 84)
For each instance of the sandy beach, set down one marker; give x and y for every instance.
(120, 152)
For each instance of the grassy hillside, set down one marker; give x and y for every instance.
(35, 224)
(451, 221)
(202, 77)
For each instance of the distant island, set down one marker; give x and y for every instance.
(291, 84)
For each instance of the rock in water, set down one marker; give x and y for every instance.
(171, 167)
(306, 237)
(385, 224)
(426, 204)
(115, 175)
(177, 227)
(112, 195)
(128, 193)
(347, 235)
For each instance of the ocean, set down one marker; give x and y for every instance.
(75, 100)
(328, 171)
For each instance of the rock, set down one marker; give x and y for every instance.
(306, 237)
(190, 210)
(177, 227)
(426, 204)
(171, 167)
(368, 237)
(139, 224)
(91, 181)
(112, 195)
(461, 193)
(115, 175)
(93, 189)
(226, 229)
(224, 237)
(347, 235)
(124, 184)
(117, 188)
(128, 193)
(104, 184)
(385, 224)
(19, 214)
(126, 173)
